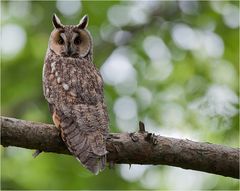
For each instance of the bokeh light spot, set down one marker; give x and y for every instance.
(189, 7)
(125, 108)
(213, 45)
(184, 37)
(68, 8)
(156, 49)
(231, 15)
(13, 39)
(133, 173)
(116, 16)
(117, 69)
(219, 100)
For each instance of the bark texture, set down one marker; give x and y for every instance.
(130, 148)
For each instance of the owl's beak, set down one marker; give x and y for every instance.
(69, 50)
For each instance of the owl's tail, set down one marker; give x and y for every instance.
(88, 147)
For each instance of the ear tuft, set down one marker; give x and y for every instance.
(56, 22)
(83, 22)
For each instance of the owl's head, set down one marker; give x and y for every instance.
(70, 40)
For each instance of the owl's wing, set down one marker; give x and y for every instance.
(84, 132)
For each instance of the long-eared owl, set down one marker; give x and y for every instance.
(73, 88)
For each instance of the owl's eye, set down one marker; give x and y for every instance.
(77, 40)
(60, 40)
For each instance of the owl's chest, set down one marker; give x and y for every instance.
(71, 82)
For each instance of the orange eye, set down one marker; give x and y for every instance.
(77, 40)
(60, 40)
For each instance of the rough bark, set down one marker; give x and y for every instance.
(130, 148)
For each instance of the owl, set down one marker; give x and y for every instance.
(73, 87)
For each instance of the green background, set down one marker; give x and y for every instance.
(173, 65)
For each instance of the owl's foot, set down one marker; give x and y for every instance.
(56, 119)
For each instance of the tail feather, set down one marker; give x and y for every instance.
(88, 147)
(96, 165)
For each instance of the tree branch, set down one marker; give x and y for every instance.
(130, 148)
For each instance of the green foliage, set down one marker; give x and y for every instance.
(177, 70)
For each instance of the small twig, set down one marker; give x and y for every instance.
(141, 127)
(36, 153)
(133, 137)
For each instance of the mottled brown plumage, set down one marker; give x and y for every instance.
(73, 88)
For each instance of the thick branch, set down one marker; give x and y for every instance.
(133, 148)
